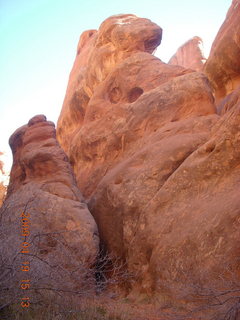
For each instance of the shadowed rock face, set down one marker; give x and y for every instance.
(158, 166)
(223, 64)
(190, 55)
(229, 101)
(61, 231)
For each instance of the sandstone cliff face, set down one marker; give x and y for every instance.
(189, 228)
(126, 105)
(44, 208)
(159, 167)
(223, 64)
(190, 55)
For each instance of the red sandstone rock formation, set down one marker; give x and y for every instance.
(223, 64)
(98, 53)
(105, 141)
(190, 226)
(158, 166)
(156, 163)
(190, 55)
(44, 204)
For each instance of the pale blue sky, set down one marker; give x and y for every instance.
(39, 40)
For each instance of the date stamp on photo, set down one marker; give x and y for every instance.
(25, 266)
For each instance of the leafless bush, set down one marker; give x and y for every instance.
(213, 297)
(59, 281)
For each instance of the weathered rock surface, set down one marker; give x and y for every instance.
(223, 64)
(97, 55)
(105, 141)
(126, 190)
(44, 208)
(190, 55)
(122, 104)
(158, 166)
(193, 219)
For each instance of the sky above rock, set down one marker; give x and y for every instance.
(39, 40)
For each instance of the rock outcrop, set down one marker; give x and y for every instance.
(98, 53)
(190, 55)
(44, 218)
(223, 64)
(188, 231)
(156, 163)
(158, 166)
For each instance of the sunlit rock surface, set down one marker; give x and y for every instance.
(158, 166)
